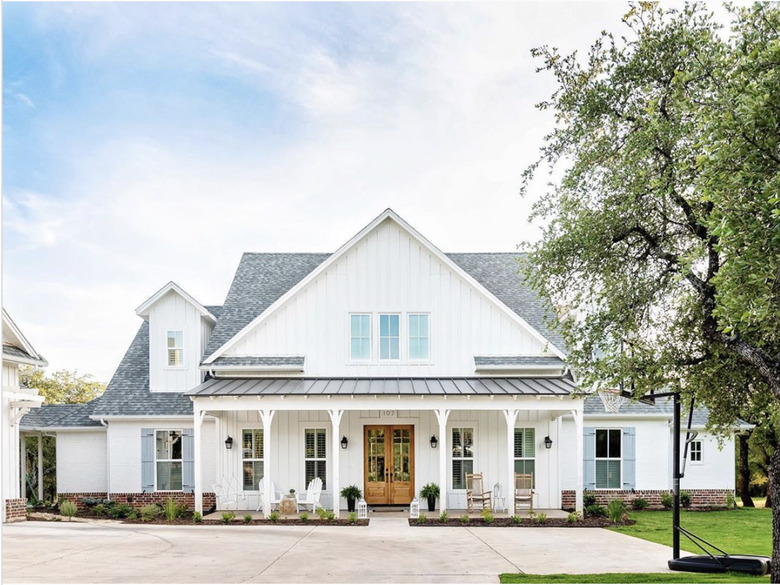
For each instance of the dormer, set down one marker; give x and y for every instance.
(179, 328)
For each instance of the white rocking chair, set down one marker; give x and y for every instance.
(311, 497)
(276, 497)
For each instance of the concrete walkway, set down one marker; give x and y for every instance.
(388, 551)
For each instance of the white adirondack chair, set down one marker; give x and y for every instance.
(276, 497)
(228, 495)
(311, 497)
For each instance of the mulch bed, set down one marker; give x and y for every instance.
(590, 522)
(187, 521)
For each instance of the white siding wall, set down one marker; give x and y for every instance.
(287, 464)
(716, 470)
(388, 271)
(173, 312)
(125, 447)
(10, 440)
(81, 461)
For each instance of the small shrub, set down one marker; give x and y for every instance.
(274, 516)
(573, 517)
(171, 510)
(639, 504)
(121, 511)
(731, 503)
(515, 519)
(615, 510)
(197, 517)
(181, 510)
(228, 517)
(487, 516)
(541, 518)
(89, 502)
(422, 518)
(464, 519)
(100, 510)
(150, 512)
(68, 508)
(443, 516)
(304, 516)
(330, 516)
(685, 499)
(667, 501)
(247, 518)
(352, 517)
(596, 511)
(133, 515)
(588, 500)
(322, 513)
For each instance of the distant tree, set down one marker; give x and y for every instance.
(62, 386)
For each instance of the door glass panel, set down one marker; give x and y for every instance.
(376, 455)
(402, 445)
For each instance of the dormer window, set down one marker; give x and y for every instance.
(175, 348)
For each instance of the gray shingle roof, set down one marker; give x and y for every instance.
(12, 351)
(663, 406)
(296, 360)
(518, 360)
(60, 415)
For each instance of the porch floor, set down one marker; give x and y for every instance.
(392, 513)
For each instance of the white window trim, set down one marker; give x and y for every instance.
(370, 357)
(451, 457)
(156, 461)
(408, 339)
(327, 459)
(596, 458)
(701, 453)
(401, 329)
(518, 428)
(241, 455)
(170, 366)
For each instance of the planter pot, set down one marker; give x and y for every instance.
(350, 504)
(431, 503)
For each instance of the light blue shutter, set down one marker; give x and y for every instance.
(147, 460)
(629, 458)
(589, 458)
(187, 460)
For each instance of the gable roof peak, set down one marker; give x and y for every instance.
(143, 309)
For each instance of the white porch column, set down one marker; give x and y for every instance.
(442, 415)
(20, 471)
(335, 421)
(578, 423)
(509, 490)
(40, 467)
(197, 466)
(267, 417)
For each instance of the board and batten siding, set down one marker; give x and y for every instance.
(81, 461)
(388, 271)
(10, 438)
(174, 313)
(287, 461)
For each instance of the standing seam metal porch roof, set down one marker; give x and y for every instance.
(384, 386)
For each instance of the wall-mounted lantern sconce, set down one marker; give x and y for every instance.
(434, 442)
(344, 442)
(547, 443)
(229, 442)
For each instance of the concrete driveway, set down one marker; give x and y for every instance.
(387, 551)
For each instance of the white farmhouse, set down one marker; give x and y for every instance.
(387, 364)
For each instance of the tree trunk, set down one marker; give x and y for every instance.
(774, 493)
(744, 471)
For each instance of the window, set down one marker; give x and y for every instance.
(418, 337)
(252, 458)
(525, 451)
(175, 348)
(360, 337)
(695, 451)
(315, 455)
(389, 337)
(462, 456)
(608, 462)
(168, 460)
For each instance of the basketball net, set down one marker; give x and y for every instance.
(612, 400)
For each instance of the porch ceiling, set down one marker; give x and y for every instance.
(541, 386)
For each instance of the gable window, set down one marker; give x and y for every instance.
(315, 455)
(168, 460)
(695, 451)
(360, 337)
(252, 463)
(389, 337)
(418, 337)
(608, 458)
(462, 456)
(525, 451)
(175, 348)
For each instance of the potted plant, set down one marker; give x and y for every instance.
(352, 493)
(431, 492)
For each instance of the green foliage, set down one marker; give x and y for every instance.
(685, 499)
(351, 492)
(121, 511)
(322, 513)
(151, 512)
(595, 510)
(730, 502)
(487, 516)
(515, 519)
(100, 510)
(304, 516)
(274, 516)
(667, 500)
(639, 504)
(464, 519)
(68, 508)
(352, 518)
(330, 516)
(62, 386)
(588, 499)
(615, 510)
(633, 578)
(172, 509)
(573, 517)
(228, 517)
(421, 518)
(197, 517)
(443, 517)
(429, 490)
(247, 518)
(541, 518)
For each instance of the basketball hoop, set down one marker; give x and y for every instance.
(612, 400)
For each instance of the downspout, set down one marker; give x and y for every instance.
(108, 460)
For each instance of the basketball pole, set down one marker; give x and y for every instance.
(676, 480)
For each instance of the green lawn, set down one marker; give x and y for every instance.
(741, 531)
(634, 578)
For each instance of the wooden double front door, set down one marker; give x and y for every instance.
(389, 464)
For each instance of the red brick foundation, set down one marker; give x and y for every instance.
(16, 510)
(138, 500)
(699, 498)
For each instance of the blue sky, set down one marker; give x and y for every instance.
(148, 142)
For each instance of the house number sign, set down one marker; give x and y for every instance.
(389, 413)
